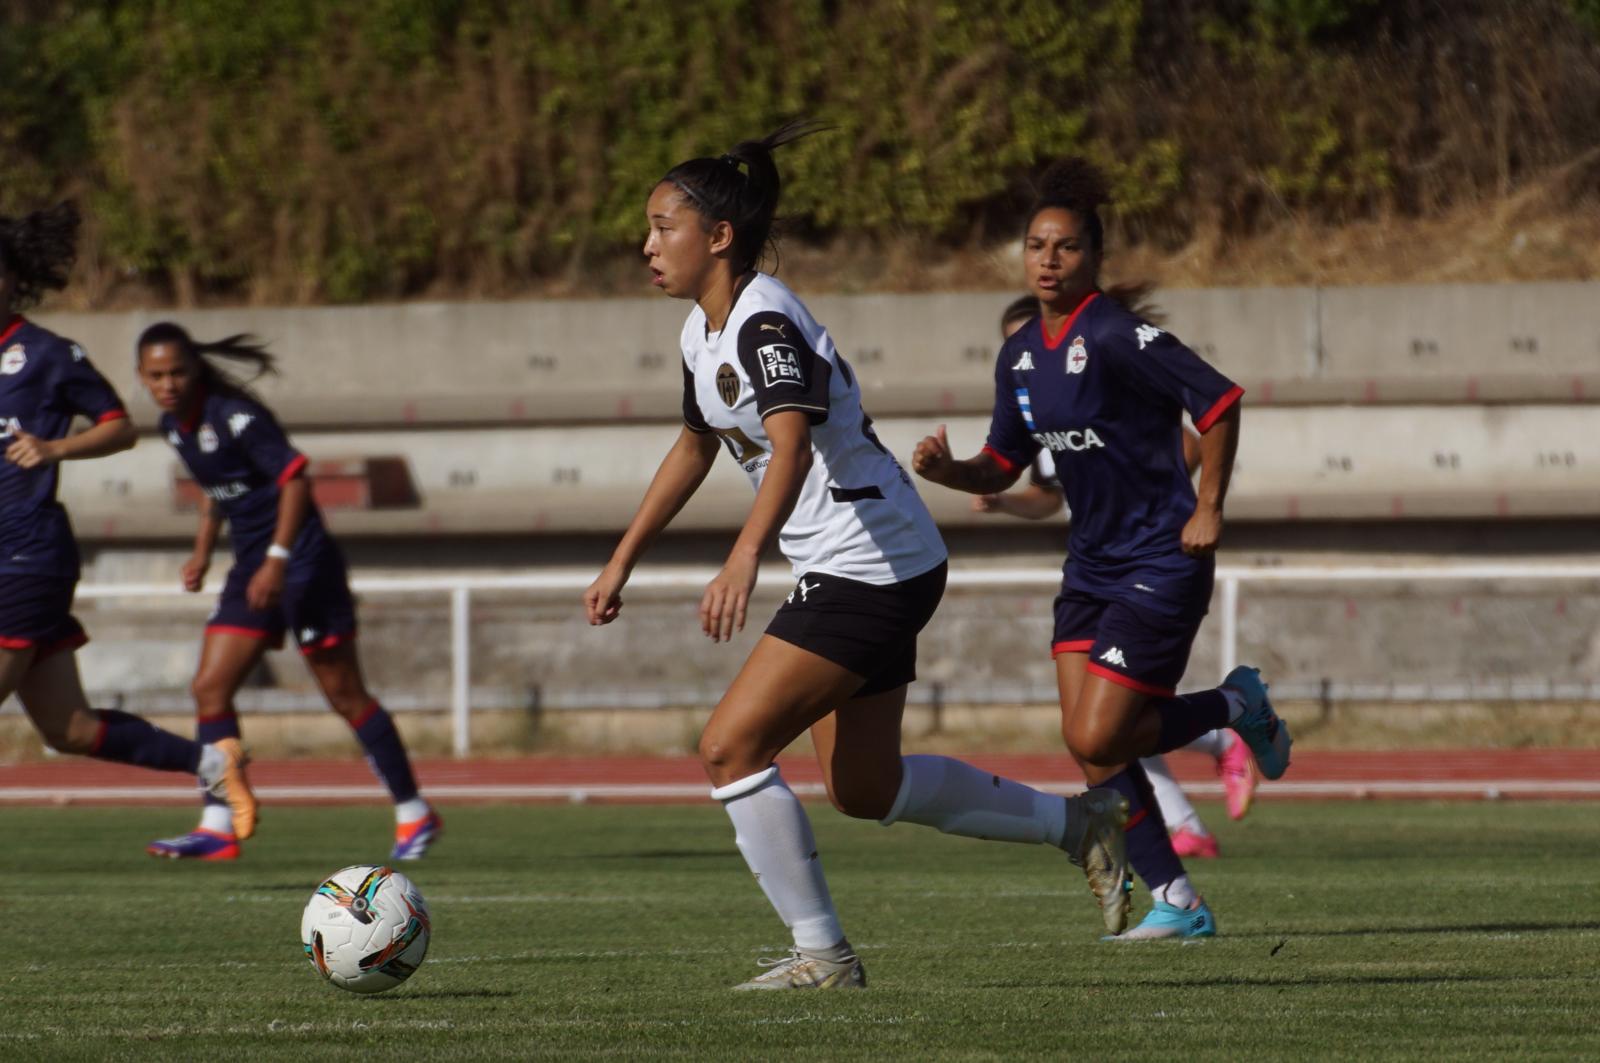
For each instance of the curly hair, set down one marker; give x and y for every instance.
(38, 249)
(1077, 185)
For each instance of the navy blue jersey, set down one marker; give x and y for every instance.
(45, 382)
(241, 459)
(1106, 396)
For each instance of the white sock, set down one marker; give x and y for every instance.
(1178, 893)
(1236, 704)
(957, 798)
(212, 761)
(216, 817)
(1174, 804)
(410, 811)
(1213, 743)
(772, 831)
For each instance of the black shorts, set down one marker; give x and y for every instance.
(866, 628)
(36, 614)
(1136, 648)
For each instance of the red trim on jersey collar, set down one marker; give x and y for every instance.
(1219, 408)
(1052, 342)
(16, 322)
(199, 411)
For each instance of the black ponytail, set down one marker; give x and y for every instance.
(38, 249)
(741, 188)
(238, 348)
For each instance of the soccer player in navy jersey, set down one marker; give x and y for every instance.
(1042, 500)
(46, 382)
(1104, 391)
(763, 379)
(288, 574)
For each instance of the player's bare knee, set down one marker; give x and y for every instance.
(212, 694)
(1090, 748)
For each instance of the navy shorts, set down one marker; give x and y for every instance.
(36, 614)
(1133, 647)
(319, 610)
(865, 628)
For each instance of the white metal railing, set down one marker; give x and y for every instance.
(574, 581)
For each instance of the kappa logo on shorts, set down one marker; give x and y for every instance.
(780, 364)
(804, 590)
(13, 360)
(1114, 656)
(308, 635)
(728, 386)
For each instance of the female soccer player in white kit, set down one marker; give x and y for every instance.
(762, 377)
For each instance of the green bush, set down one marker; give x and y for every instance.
(310, 150)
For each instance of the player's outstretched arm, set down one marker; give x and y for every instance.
(979, 475)
(681, 473)
(97, 441)
(1218, 446)
(1034, 502)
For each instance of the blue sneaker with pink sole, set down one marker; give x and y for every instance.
(198, 844)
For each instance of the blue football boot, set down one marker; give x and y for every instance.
(1169, 921)
(1262, 730)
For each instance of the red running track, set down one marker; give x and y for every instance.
(1521, 773)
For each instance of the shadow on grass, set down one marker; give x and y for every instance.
(1385, 931)
(667, 854)
(1244, 981)
(442, 994)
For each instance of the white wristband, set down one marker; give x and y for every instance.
(279, 552)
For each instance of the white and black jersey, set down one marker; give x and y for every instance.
(858, 516)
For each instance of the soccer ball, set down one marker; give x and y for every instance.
(365, 929)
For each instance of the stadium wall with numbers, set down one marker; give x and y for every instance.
(1366, 403)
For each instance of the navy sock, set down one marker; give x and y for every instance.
(386, 752)
(1149, 848)
(212, 729)
(129, 739)
(1185, 718)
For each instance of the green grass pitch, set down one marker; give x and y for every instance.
(1355, 930)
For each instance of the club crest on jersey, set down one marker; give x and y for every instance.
(208, 439)
(1077, 356)
(727, 384)
(13, 360)
(780, 364)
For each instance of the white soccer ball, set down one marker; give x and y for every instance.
(365, 929)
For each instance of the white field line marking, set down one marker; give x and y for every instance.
(578, 793)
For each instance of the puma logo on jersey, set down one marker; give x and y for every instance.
(1146, 334)
(1114, 656)
(1074, 439)
(1024, 364)
(239, 422)
(765, 327)
(804, 589)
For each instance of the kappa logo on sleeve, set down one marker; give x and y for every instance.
(239, 422)
(1146, 334)
(780, 364)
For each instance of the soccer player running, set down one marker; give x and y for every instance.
(45, 382)
(763, 378)
(1104, 391)
(1042, 500)
(288, 574)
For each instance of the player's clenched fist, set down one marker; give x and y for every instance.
(931, 460)
(30, 452)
